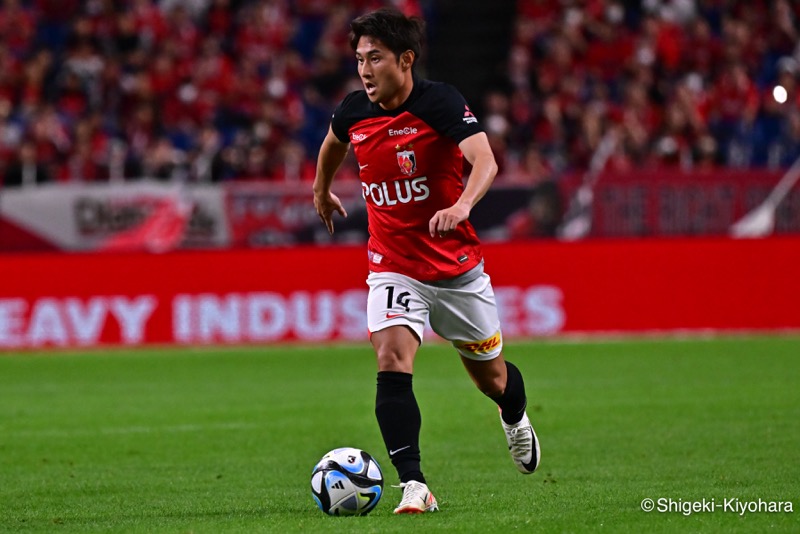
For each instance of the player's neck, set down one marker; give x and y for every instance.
(400, 96)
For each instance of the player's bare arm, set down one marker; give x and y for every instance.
(331, 155)
(478, 152)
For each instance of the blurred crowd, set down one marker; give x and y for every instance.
(213, 90)
(191, 90)
(684, 84)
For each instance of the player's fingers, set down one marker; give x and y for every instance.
(325, 217)
(447, 224)
(336, 205)
(433, 224)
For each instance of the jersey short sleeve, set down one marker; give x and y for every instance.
(447, 111)
(343, 116)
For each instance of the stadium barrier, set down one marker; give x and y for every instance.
(155, 216)
(313, 294)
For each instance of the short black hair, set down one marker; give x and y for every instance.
(398, 32)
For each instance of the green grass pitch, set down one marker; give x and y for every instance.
(224, 440)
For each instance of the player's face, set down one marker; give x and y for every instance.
(386, 80)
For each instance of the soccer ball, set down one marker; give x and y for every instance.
(347, 481)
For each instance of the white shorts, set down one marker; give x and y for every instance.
(461, 310)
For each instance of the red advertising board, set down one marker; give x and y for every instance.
(319, 293)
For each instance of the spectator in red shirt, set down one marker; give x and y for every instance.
(17, 27)
(734, 107)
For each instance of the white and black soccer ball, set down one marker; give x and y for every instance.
(347, 481)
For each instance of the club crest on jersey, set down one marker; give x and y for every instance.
(406, 159)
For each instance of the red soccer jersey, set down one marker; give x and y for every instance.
(410, 168)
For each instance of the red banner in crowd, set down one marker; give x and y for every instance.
(148, 215)
(319, 294)
(672, 203)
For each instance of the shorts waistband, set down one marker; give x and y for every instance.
(459, 280)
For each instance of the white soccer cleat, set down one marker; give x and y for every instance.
(417, 499)
(523, 444)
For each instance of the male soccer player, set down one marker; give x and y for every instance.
(425, 263)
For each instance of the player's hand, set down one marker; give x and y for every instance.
(445, 221)
(326, 204)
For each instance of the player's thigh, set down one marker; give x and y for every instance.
(467, 316)
(397, 300)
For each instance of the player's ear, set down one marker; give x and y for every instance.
(407, 59)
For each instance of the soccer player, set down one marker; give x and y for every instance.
(425, 262)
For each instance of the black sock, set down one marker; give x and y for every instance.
(513, 400)
(399, 419)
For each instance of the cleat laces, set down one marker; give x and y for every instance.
(521, 442)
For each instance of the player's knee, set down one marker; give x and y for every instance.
(392, 358)
(395, 348)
